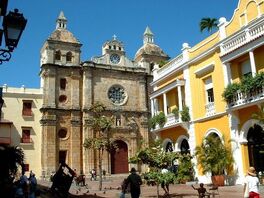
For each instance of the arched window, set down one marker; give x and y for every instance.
(58, 55)
(62, 133)
(69, 57)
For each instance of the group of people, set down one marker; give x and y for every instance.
(26, 187)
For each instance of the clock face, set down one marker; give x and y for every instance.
(114, 58)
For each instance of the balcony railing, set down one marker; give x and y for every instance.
(171, 120)
(241, 98)
(169, 67)
(210, 109)
(252, 32)
(26, 141)
(27, 113)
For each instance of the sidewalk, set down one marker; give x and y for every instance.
(111, 186)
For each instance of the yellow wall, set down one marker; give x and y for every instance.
(221, 124)
(259, 59)
(173, 133)
(198, 85)
(178, 75)
(172, 99)
(245, 13)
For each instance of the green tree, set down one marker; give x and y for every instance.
(259, 115)
(101, 142)
(12, 158)
(156, 158)
(213, 156)
(208, 24)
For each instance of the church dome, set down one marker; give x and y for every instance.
(150, 49)
(63, 35)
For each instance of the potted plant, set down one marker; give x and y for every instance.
(214, 157)
(175, 112)
(153, 122)
(161, 119)
(230, 91)
(185, 172)
(185, 116)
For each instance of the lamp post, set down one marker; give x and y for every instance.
(1, 101)
(14, 24)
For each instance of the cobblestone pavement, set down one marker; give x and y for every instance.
(111, 189)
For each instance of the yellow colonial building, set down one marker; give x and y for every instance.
(189, 90)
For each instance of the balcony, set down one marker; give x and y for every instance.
(246, 35)
(169, 67)
(5, 140)
(240, 99)
(171, 120)
(27, 113)
(26, 141)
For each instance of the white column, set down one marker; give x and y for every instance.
(179, 98)
(152, 107)
(165, 104)
(227, 74)
(252, 63)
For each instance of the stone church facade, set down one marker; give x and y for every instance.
(71, 87)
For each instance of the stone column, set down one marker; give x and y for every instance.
(252, 63)
(165, 104)
(88, 154)
(75, 91)
(76, 144)
(227, 74)
(87, 89)
(142, 94)
(152, 107)
(180, 100)
(236, 147)
(49, 150)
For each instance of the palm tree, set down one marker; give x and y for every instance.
(259, 115)
(208, 23)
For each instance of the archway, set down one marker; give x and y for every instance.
(255, 138)
(119, 158)
(185, 148)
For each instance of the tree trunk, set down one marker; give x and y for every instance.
(100, 169)
(157, 190)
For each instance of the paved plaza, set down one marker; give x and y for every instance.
(111, 186)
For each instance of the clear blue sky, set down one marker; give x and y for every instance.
(173, 22)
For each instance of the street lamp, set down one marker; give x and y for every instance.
(1, 101)
(14, 24)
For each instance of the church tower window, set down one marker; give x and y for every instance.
(63, 83)
(57, 55)
(69, 57)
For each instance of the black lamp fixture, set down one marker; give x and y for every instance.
(14, 24)
(1, 101)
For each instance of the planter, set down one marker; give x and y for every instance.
(218, 180)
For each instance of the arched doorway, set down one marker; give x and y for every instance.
(185, 148)
(169, 147)
(255, 138)
(119, 158)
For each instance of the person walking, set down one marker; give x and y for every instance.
(32, 185)
(135, 181)
(251, 185)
